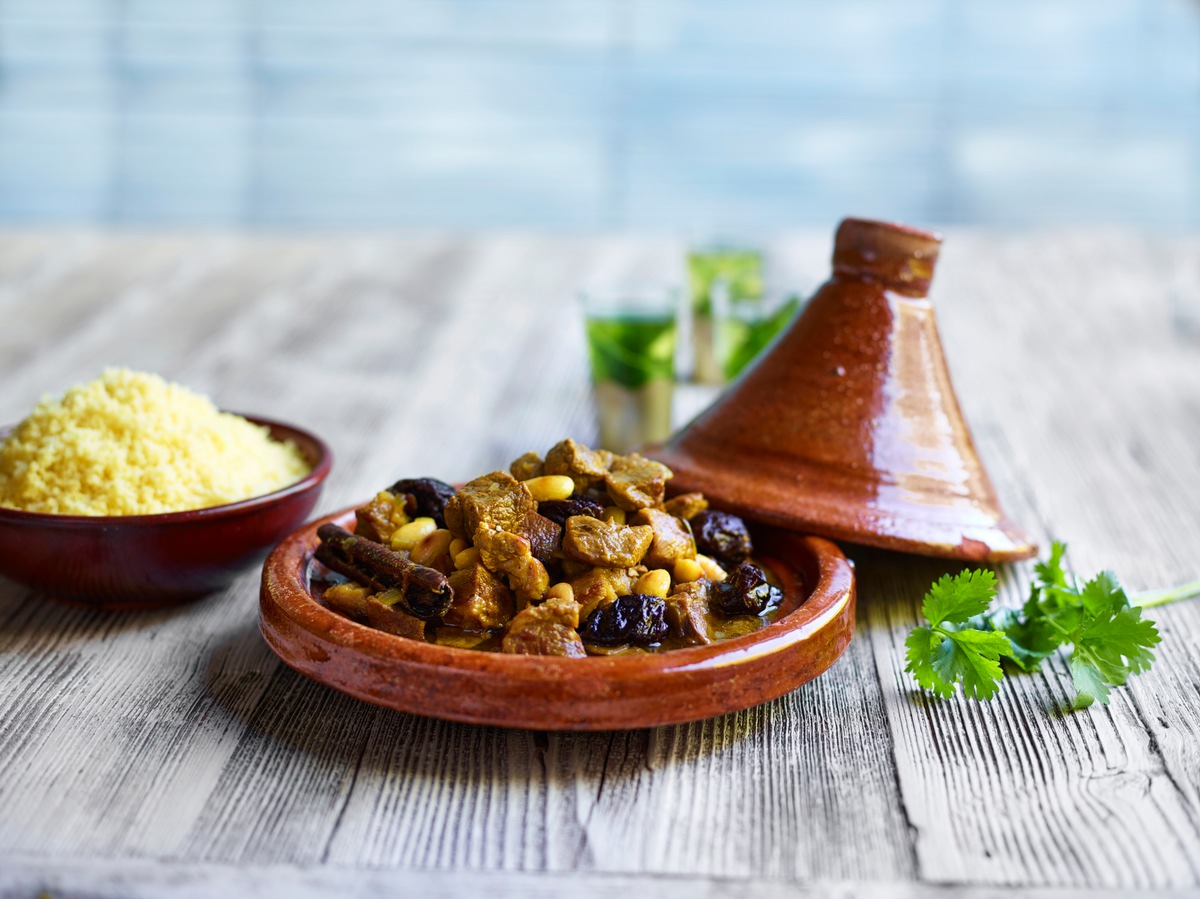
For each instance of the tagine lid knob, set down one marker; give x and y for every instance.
(899, 256)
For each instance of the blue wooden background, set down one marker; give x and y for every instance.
(693, 115)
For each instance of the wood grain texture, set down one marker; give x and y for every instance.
(170, 753)
(138, 879)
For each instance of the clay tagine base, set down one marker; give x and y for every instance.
(549, 693)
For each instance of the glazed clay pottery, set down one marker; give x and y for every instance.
(135, 562)
(554, 693)
(849, 426)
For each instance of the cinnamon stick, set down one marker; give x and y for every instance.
(425, 592)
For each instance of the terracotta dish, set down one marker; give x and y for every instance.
(849, 426)
(150, 561)
(551, 693)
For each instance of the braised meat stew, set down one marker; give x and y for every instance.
(575, 554)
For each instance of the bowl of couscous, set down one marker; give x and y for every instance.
(129, 492)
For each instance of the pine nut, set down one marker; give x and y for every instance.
(687, 570)
(550, 487)
(431, 547)
(412, 533)
(613, 515)
(655, 583)
(711, 568)
(468, 557)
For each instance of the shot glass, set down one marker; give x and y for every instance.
(631, 338)
(740, 268)
(743, 328)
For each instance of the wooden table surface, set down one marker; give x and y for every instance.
(171, 754)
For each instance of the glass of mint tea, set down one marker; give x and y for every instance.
(631, 339)
(744, 327)
(739, 268)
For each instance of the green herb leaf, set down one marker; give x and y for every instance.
(631, 351)
(1103, 594)
(1032, 639)
(958, 598)
(972, 658)
(947, 652)
(1050, 572)
(965, 640)
(922, 645)
(1089, 685)
(1112, 641)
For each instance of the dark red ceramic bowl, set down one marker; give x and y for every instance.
(150, 561)
(596, 693)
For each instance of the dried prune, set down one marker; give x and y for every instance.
(559, 510)
(745, 592)
(636, 618)
(429, 495)
(722, 536)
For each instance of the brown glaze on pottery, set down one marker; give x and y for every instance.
(849, 427)
(133, 562)
(547, 693)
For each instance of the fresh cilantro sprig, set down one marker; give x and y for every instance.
(948, 652)
(968, 644)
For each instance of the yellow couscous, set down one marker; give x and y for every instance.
(129, 443)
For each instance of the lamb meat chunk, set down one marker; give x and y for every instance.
(686, 505)
(544, 536)
(585, 467)
(545, 639)
(687, 612)
(573, 567)
(600, 585)
(545, 630)
(380, 518)
(635, 482)
(606, 544)
(528, 466)
(481, 600)
(672, 539)
(493, 502)
(511, 555)
(391, 618)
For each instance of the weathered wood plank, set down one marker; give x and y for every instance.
(1016, 791)
(178, 736)
(342, 342)
(135, 879)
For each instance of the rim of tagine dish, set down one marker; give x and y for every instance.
(561, 694)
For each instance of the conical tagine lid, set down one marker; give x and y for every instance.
(849, 427)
